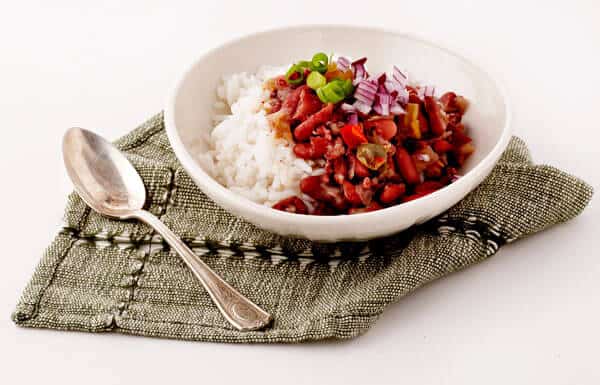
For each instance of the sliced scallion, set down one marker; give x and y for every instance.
(315, 80)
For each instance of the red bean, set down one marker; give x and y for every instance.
(442, 146)
(423, 123)
(454, 118)
(303, 131)
(308, 104)
(316, 189)
(291, 100)
(453, 103)
(323, 209)
(303, 150)
(434, 170)
(459, 138)
(292, 204)
(371, 207)
(356, 168)
(428, 186)
(392, 192)
(386, 128)
(339, 170)
(436, 121)
(313, 150)
(412, 197)
(335, 149)
(350, 193)
(448, 102)
(365, 194)
(406, 166)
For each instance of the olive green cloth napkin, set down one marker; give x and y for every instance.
(103, 275)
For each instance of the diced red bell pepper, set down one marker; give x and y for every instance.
(353, 135)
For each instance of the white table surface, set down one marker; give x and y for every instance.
(530, 314)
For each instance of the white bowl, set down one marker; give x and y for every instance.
(189, 111)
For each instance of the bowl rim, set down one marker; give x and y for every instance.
(259, 210)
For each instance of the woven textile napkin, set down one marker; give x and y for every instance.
(103, 275)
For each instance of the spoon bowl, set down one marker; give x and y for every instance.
(103, 177)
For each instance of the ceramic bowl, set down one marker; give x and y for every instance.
(190, 107)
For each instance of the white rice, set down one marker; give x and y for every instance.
(244, 154)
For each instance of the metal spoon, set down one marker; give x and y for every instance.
(108, 183)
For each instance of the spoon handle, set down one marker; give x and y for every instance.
(237, 309)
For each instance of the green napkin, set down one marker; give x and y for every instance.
(104, 275)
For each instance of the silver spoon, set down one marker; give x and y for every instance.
(108, 183)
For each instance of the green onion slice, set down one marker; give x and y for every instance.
(347, 86)
(332, 92)
(315, 80)
(295, 75)
(319, 62)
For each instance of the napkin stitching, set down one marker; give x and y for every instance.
(138, 273)
(471, 226)
(335, 315)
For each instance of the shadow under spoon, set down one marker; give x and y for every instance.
(106, 180)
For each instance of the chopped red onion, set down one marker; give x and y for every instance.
(368, 85)
(379, 78)
(455, 177)
(347, 108)
(402, 96)
(426, 91)
(365, 92)
(399, 76)
(365, 95)
(360, 61)
(382, 104)
(352, 118)
(362, 107)
(391, 85)
(360, 73)
(343, 63)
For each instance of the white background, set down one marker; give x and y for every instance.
(531, 314)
